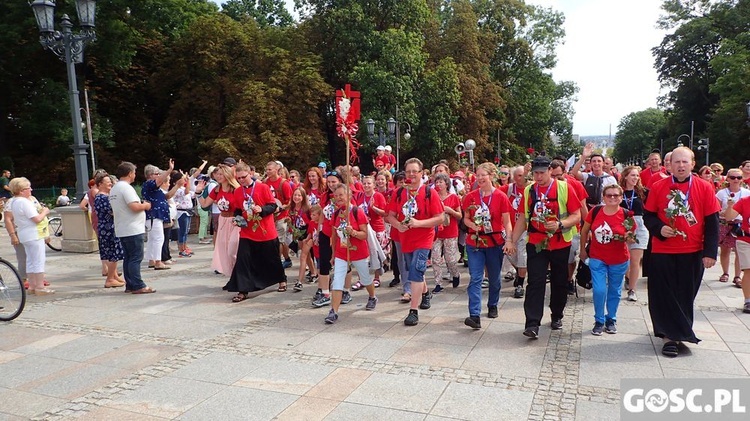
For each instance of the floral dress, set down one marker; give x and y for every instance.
(110, 248)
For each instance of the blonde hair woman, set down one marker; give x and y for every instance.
(31, 230)
(227, 233)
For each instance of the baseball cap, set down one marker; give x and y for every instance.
(540, 163)
(322, 165)
(388, 148)
(381, 148)
(458, 174)
(211, 169)
(229, 161)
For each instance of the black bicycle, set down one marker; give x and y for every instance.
(12, 292)
(55, 233)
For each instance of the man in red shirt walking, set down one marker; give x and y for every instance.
(282, 192)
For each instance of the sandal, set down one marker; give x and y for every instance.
(724, 277)
(670, 349)
(406, 298)
(376, 283)
(239, 298)
(737, 281)
(146, 290)
(282, 288)
(357, 286)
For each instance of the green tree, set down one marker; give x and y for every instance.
(638, 133)
(264, 12)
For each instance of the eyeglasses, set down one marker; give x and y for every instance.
(243, 177)
(734, 177)
(612, 196)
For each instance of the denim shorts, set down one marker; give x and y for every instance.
(416, 262)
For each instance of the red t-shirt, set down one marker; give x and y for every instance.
(256, 230)
(416, 238)
(603, 246)
(223, 200)
(366, 203)
(299, 220)
(391, 159)
(515, 197)
(317, 197)
(358, 249)
(743, 207)
(504, 188)
(648, 174)
(577, 186)
(701, 201)
(549, 201)
(497, 204)
(654, 178)
(282, 191)
(451, 231)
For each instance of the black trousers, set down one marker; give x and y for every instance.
(536, 263)
(673, 283)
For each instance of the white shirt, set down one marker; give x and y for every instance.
(127, 222)
(723, 196)
(26, 229)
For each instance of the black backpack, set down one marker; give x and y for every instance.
(593, 186)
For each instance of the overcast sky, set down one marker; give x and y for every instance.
(607, 53)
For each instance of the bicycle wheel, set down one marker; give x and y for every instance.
(55, 233)
(12, 292)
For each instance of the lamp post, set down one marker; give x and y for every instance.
(69, 48)
(392, 129)
(704, 144)
(470, 144)
(748, 113)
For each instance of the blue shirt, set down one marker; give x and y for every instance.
(159, 207)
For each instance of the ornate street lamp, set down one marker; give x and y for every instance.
(393, 130)
(679, 142)
(69, 48)
(470, 144)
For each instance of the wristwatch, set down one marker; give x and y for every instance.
(560, 225)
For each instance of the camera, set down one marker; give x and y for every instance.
(202, 177)
(240, 221)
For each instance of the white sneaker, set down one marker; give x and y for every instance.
(632, 296)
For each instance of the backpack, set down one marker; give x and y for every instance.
(583, 274)
(593, 186)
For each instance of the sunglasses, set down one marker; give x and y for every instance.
(243, 177)
(504, 173)
(332, 173)
(612, 196)
(734, 177)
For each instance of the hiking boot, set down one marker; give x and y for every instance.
(492, 312)
(371, 303)
(531, 332)
(437, 289)
(556, 324)
(598, 329)
(456, 280)
(412, 319)
(518, 293)
(287, 263)
(632, 296)
(393, 283)
(322, 301)
(331, 317)
(346, 298)
(425, 304)
(473, 322)
(610, 327)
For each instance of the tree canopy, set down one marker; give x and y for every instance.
(183, 79)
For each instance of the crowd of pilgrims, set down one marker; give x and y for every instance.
(543, 222)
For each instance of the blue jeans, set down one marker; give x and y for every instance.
(606, 283)
(184, 222)
(479, 258)
(132, 247)
(416, 265)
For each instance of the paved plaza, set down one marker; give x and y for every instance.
(188, 353)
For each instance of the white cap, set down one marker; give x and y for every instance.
(388, 148)
(381, 148)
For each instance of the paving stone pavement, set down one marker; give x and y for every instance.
(187, 352)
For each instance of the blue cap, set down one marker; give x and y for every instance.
(322, 165)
